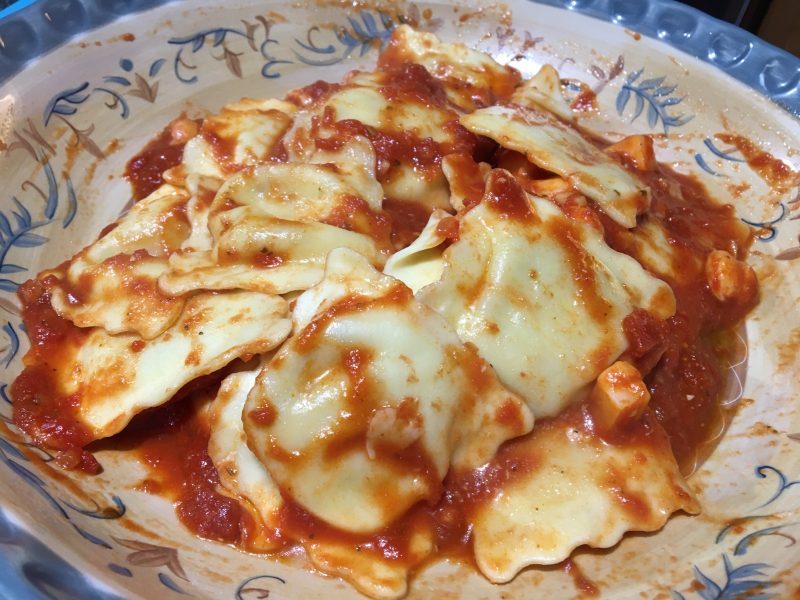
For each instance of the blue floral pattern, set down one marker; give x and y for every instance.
(654, 93)
(748, 580)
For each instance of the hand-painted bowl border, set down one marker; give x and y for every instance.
(31, 28)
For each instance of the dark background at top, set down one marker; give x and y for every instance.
(728, 10)
(747, 14)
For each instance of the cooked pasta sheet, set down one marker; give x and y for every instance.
(446, 321)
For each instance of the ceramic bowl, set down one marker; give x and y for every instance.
(85, 83)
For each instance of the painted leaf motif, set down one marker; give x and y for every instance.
(30, 240)
(7, 269)
(639, 107)
(5, 226)
(167, 581)
(618, 67)
(652, 116)
(124, 81)
(9, 307)
(233, 63)
(672, 101)
(155, 557)
(144, 90)
(710, 590)
(622, 99)
(789, 254)
(72, 205)
(134, 544)
(156, 67)
(665, 90)
(648, 84)
(152, 555)
(91, 537)
(255, 592)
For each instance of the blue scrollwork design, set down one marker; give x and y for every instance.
(359, 36)
(701, 162)
(98, 512)
(769, 231)
(724, 155)
(248, 587)
(13, 458)
(743, 581)
(763, 471)
(65, 102)
(743, 545)
(748, 579)
(217, 38)
(13, 344)
(195, 43)
(18, 231)
(119, 570)
(657, 96)
(170, 583)
(709, 143)
(116, 100)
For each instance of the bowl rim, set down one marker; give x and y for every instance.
(755, 65)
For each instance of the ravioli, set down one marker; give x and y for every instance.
(112, 378)
(241, 134)
(361, 413)
(554, 146)
(258, 252)
(113, 282)
(405, 114)
(246, 479)
(572, 488)
(544, 90)
(270, 227)
(518, 264)
(421, 263)
(240, 472)
(471, 78)
(371, 574)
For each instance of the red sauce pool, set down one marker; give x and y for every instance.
(144, 171)
(42, 409)
(172, 443)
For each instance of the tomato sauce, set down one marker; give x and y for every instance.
(775, 172)
(42, 409)
(408, 220)
(145, 170)
(172, 442)
(582, 583)
(496, 86)
(685, 365)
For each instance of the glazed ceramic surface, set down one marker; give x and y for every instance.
(74, 108)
